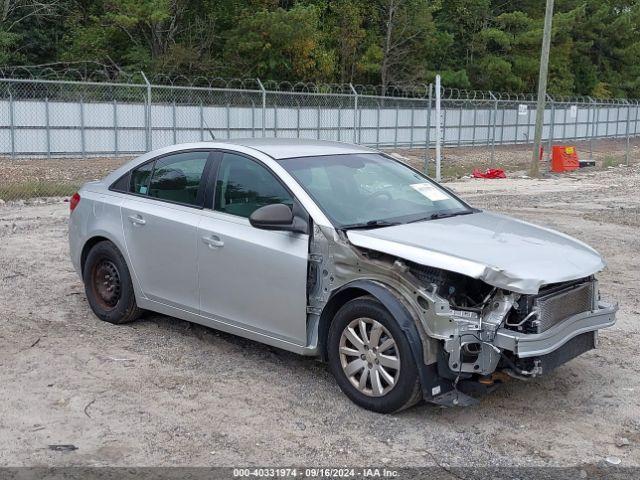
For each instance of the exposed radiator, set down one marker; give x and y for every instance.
(559, 305)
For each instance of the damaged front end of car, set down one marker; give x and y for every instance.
(472, 334)
(488, 331)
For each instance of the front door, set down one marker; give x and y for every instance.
(248, 277)
(160, 223)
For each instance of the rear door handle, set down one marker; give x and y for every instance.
(137, 220)
(213, 241)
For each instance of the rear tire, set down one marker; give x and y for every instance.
(108, 285)
(370, 357)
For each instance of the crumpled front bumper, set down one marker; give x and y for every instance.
(536, 345)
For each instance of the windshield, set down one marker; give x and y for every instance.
(370, 189)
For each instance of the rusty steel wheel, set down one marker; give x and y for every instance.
(108, 284)
(105, 280)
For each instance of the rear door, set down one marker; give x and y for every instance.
(252, 278)
(160, 221)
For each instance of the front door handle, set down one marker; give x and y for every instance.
(213, 241)
(137, 220)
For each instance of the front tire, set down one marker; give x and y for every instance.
(370, 357)
(108, 285)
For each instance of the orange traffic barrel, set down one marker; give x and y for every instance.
(564, 158)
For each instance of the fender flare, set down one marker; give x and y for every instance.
(429, 378)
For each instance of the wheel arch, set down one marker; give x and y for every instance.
(337, 299)
(391, 301)
(88, 245)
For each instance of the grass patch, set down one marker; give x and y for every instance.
(25, 190)
(609, 161)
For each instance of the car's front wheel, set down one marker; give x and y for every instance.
(108, 285)
(370, 357)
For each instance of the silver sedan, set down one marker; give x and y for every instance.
(341, 252)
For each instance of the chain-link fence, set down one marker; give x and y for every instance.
(45, 123)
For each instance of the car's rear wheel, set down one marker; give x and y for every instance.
(370, 357)
(108, 285)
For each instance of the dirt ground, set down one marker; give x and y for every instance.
(164, 392)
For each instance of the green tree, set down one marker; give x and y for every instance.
(279, 44)
(484, 44)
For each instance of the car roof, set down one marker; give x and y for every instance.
(279, 148)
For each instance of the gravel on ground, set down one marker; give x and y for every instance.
(162, 391)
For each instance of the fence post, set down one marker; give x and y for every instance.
(412, 124)
(82, 136)
(356, 124)
(493, 134)
(148, 113)
(264, 108)
(626, 155)
(564, 122)
(253, 119)
(115, 127)
(502, 125)
(298, 108)
(438, 132)
(47, 125)
(428, 132)
(591, 133)
(395, 135)
(173, 121)
(473, 132)
(202, 121)
(489, 126)
(377, 124)
(339, 121)
(517, 112)
(275, 120)
(460, 115)
(12, 125)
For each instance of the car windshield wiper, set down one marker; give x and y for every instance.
(438, 215)
(369, 224)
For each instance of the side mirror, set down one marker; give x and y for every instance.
(276, 216)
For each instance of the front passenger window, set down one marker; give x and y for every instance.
(243, 186)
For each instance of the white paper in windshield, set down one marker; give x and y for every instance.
(429, 191)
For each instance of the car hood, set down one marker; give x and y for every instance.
(502, 251)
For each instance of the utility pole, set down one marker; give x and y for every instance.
(438, 127)
(534, 171)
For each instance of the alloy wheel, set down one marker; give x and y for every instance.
(369, 357)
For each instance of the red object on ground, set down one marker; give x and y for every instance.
(490, 173)
(564, 158)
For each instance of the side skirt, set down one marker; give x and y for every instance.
(227, 327)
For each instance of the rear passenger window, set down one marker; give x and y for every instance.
(140, 179)
(175, 177)
(243, 186)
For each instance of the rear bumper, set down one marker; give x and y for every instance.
(525, 345)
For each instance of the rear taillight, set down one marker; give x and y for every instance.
(74, 201)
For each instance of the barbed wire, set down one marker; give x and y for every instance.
(88, 71)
